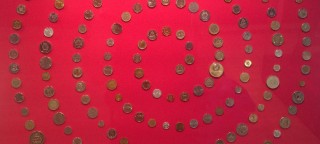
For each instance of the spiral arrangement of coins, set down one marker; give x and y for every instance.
(215, 71)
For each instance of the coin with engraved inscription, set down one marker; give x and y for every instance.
(138, 73)
(180, 34)
(77, 72)
(45, 62)
(82, 28)
(14, 68)
(124, 141)
(242, 129)
(193, 123)
(45, 47)
(180, 3)
(306, 41)
(292, 110)
(48, 91)
(13, 54)
(139, 117)
(110, 42)
(229, 102)
(97, 3)
(18, 97)
(189, 59)
(107, 56)
(36, 137)
(184, 97)
(204, 15)
(80, 86)
(127, 108)
(285, 122)
(271, 12)
(305, 27)
(78, 43)
(165, 2)
(146, 85)
(53, 17)
(208, 82)
(243, 23)
(59, 4)
(248, 49)
(142, 44)
(111, 84)
(166, 31)
(193, 7)
(217, 42)
(219, 141)
(305, 69)
(58, 118)
(238, 89)
(267, 95)
(276, 133)
(137, 58)
(92, 112)
(137, 8)
(152, 35)
(298, 97)
(53, 104)
(180, 69)
(116, 28)
(214, 29)
(88, 15)
(273, 82)
(101, 124)
(216, 69)
(275, 25)
(107, 70)
(260, 107)
(246, 36)
(244, 77)
(85, 99)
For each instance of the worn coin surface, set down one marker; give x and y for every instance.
(152, 3)
(67, 130)
(267, 95)
(111, 133)
(260, 107)
(229, 102)
(21, 9)
(29, 125)
(82, 28)
(126, 16)
(277, 39)
(88, 15)
(92, 112)
(107, 56)
(142, 44)
(180, 34)
(298, 97)
(219, 141)
(208, 82)
(16, 83)
(189, 45)
(184, 97)
(193, 123)
(48, 91)
(80, 86)
(48, 32)
(305, 69)
(285, 122)
(18, 97)
(244, 77)
(152, 35)
(24, 111)
(116, 28)
(146, 85)
(231, 137)
(219, 111)
(152, 123)
(110, 42)
(276, 133)
(85, 99)
(58, 118)
(179, 127)
(97, 3)
(273, 82)
(253, 118)
(13, 54)
(14, 38)
(165, 2)
(78, 43)
(204, 15)
(53, 17)
(193, 7)
(112, 84)
(36, 137)
(137, 58)
(16, 24)
(246, 36)
(77, 72)
(238, 89)
(180, 3)
(189, 59)
(138, 73)
(305, 27)
(165, 125)
(236, 9)
(306, 41)
(306, 55)
(45, 47)
(302, 13)
(14, 68)
(59, 4)
(53, 104)
(166, 31)
(127, 108)
(198, 90)
(45, 62)
(248, 49)
(207, 118)
(180, 69)
(107, 70)
(139, 117)
(217, 42)
(170, 98)
(292, 110)
(271, 12)
(137, 8)
(242, 129)
(243, 23)
(77, 140)
(214, 29)
(216, 69)
(157, 93)
(275, 25)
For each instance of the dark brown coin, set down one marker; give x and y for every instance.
(88, 15)
(78, 43)
(166, 31)
(242, 129)
(277, 39)
(58, 118)
(142, 44)
(116, 28)
(139, 117)
(24, 111)
(146, 85)
(180, 69)
(170, 98)
(189, 46)
(85, 99)
(137, 8)
(107, 56)
(53, 17)
(14, 39)
(118, 97)
(101, 124)
(152, 35)
(209, 82)
(97, 3)
(17, 24)
(137, 58)
(92, 113)
(48, 91)
(36, 137)
(243, 23)
(219, 111)
(138, 73)
(77, 140)
(67, 130)
(107, 70)
(198, 90)
(236, 9)
(76, 58)
(45, 47)
(184, 97)
(77, 72)
(21, 9)
(16, 83)
(207, 118)
(204, 15)
(14, 68)
(189, 59)
(82, 28)
(179, 127)
(124, 141)
(59, 4)
(45, 62)
(271, 12)
(111, 133)
(180, 3)
(110, 42)
(127, 108)
(112, 84)
(13, 54)
(18, 97)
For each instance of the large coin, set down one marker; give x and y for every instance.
(58, 118)
(216, 69)
(298, 97)
(231, 137)
(36, 137)
(285, 122)
(277, 39)
(242, 129)
(112, 84)
(273, 82)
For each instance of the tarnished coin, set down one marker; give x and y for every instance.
(267, 95)
(204, 15)
(124, 141)
(305, 27)
(152, 35)
(138, 73)
(302, 83)
(112, 84)
(247, 63)
(166, 31)
(127, 108)
(208, 82)
(21, 9)
(126, 16)
(53, 104)
(24, 111)
(189, 59)
(189, 46)
(179, 127)
(14, 68)
(107, 56)
(45, 62)
(305, 69)
(238, 89)
(110, 42)
(260, 107)
(16, 24)
(82, 28)
(253, 118)
(227, 1)
(170, 98)
(229, 102)
(139, 117)
(306, 41)
(248, 49)
(88, 15)
(276, 67)
(76, 58)
(275, 25)
(219, 141)
(58, 118)
(137, 8)
(184, 97)
(152, 123)
(265, 1)
(67, 130)
(146, 85)
(217, 42)
(180, 3)
(193, 7)
(137, 58)
(278, 53)
(277, 39)
(45, 47)
(273, 82)
(236, 9)
(165, 2)
(242, 129)
(97, 3)
(152, 3)
(267, 142)
(116, 28)
(53, 17)
(14, 38)
(78, 43)
(156, 93)
(276, 133)
(244, 77)
(231, 137)
(48, 91)
(77, 72)
(48, 32)
(77, 140)
(214, 29)
(36, 137)
(216, 69)
(101, 124)
(243, 23)
(80, 86)
(193, 123)
(298, 97)
(18, 97)
(16, 83)
(198, 90)
(271, 12)
(306, 55)
(59, 4)
(13, 54)
(92, 112)
(85, 99)
(285, 122)
(207, 118)
(165, 125)
(180, 69)
(299, 1)
(219, 111)
(107, 70)
(111, 133)
(142, 44)
(302, 13)
(246, 36)
(118, 97)
(292, 110)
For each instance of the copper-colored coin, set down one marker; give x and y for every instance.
(137, 8)
(118, 97)
(152, 123)
(101, 124)
(76, 58)
(126, 16)
(137, 58)
(46, 76)
(14, 38)
(275, 25)
(139, 117)
(127, 108)
(298, 97)
(242, 129)
(170, 98)
(85, 99)
(59, 4)
(217, 42)
(204, 15)
(107, 70)
(45, 47)
(78, 43)
(152, 3)
(219, 55)
(267, 95)
(82, 28)
(110, 42)
(248, 49)
(36, 137)
(271, 12)
(244, 77)
(273, 82)
(216, 69)
(80, 86)
(138, 73)
(179, 127)
(243, 23)
(77, 72)
(277, 39)
(227, 1)
(180, 69)
(77, 140)
(180, 3)
(166, 31)
(24, 111)
(253, 118)
(13, 54)
(92, 113)
(58, 118)
(53, 104)
(165, 2)
(219, 111)
(112, 84)
(209, 82)
(16, 83)
(53, 17)
(116, 28)
(111, 133)
(48, 91)
(124, 141)
(88, 15)
(189, 59)
(67, 130)
(142, 44)
(29, 125)
(184, 97)
(146, 85)
(189, 45)
(21, 9)
(214, 29)
(45, 62)
(107, 56)
(97, 3)
(152, 35)
(18, 97)
(14, 68)
(236, 9)
(198, 90)
(305, 27)
(180, 34)
(16, 24)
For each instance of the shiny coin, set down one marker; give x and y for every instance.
(253, 118)
(189, 46)
(107, 56)
(276, 133)
(45, 47)
(247, 63)
(18, 97)
(53, 17)
(157, 93)
(142, 44)
(14, 68)
(243, 23)
(298, 97)
(88, 15)
(48, 91)
(116, 28)
(111, 133)
(165, 125)
(260, 107)
(139, 117)
(214, 29)
(85, 99)
(276, 67)
(24, 111)
(292, 110)
(82, 28)
(277, 39)
(59, 4)
(208, 82)
(179, 127)
(204, 15)
(217, 42)
(112, 85)
(21, 9)
(45, 62)
(16, 83)
(184, 97)
(127, 108)
(305, 27)
(13, 54)
(152, 35)
(305, 69)
(107, 70)
(278, 53)
(237, 89)
(273, 82)
(152, 3)
(246, 36)
(136, 58)
(189, 59)
(275, 25)
(138, 73)
(180, 3)
(58, 118)
(53, 104)
(219, 141)
(285, 122)
(267, 95)
(306, 55)
(216, 69)
(219, 111)
(78, 43)
(97, 3)
(76, 58)
(306, 41)
(137, 8)
(67, 130)
(236, 9)
(146, 85)
(110, 42)
(92, 113)
(126, 16)
(152, 123)
(77, 72)
(16, 24)
(229, 102)
(207, 118)
(165, 2)
(48, 32)
(124, 141)
(193, 123)
(166, 31)
(242, 129)
(248, 49)
(198, 90)
(302, 13)
(231, 137)
(170, 98)
(180, 69)
(271, 12)
(29, 125)
(80, 86)
(77, 140)
(14, 39)
(36, 137)
(244, 77)
(193, 7)
(101, 124)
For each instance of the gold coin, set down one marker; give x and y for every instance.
(142, 44)
(275, 25)
(273, 82)
(29, 125)
(118, 97)
(45, 76)
(139, 117)
(112, 84)
(184, 97)
(100, 123)
(170, 98)
(77, 72)
(152, 123)
(126, 16)
(277, 39)
(16, 24)
(166, 31)
(219, 55)
(219, 111)
(247, 63)
(92, 113)
(217, 42)
(180, 34)
(59, 118)
(253, 118)
(36, 137)
(214, 29)
(67, 130)
(244, 77)
(146, 85)
(138, 73)
(179, 127)
(189, 59)
(59, 4)
(124, 141)
(216, 69)
(16, 83)
(53, 104)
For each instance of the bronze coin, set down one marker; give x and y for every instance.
(107, 56)
(236, 9)
(76, 58)
(80, 86)
(116, 28)
(275, 25)
(13, 54)
(53, 17)
(53, 104)
(14, 38)
(16, 83)
(126, 16)
(146, 85)
(88, 15)
(152, 3)
(45, 62)
(59, 4)
(45, 76)
(77, 140)
(112, 85)
(97, 3)
(137, 8)
(189, 59)
(305, 69)
(36, 137)
(92, 113)
(142, 44)
(101, 124)
(214, 29)
(21, 9)
(179, 127)
(180, 69)
(219, 111)
(198, 90)
(137, 58)
(209, 82)
(127, 108)
(271, 12)
(277, 39)
(184, 97)
(219, 55)
(244, 77)
(207, 118)
(189, 46)
(217, 42)
(24, 111)
(152, 123)
(118, 97)
(180, 34)
(253, 118)
(152, 35)
(170, 98)
(193, 7)
(107, 70)
(138, 73)
(204, 15)
(14, 68)
(58, 118)
(242, 129)
(85, 99)
(82, 28)
(124, 141)
(17, 24)
(78, 43)
(111, 133)
(166, 31)
(67, 130)
(18, 97)
(45, 47)
(139, 117)
(110, 42)
(180, 3)
(48, 91)
(243, 23)
(165, 2)
(219, 141)
(77, 72)
(216, 69)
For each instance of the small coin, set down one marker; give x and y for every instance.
(208, 82)
(253, 118)
(242, 129)
(165, 2)
(237, 89)
(193, 123)
(219, 111)
(152, 123)
(58, 118)
(88, 15)
(126, 16)
(127, 108)
(59, 4)
(219, 141)
(214, 29)
(137, 8)
(302, 83)
(276, 67)
(292, 110)
(243, 23)
(16, 24)
(302, 13)
(204, 15)
(45, 47)
(107, 70)
(265, 1)
(110, 42)
(278, 53)
(247, 63)
(189, 59)
(276, 133)
(21, 9)
(260, 107)
(77, 72)
(273, 82)
(67, 130)
(85, 99)
(14, 68)
(78, 43)
(48, 91)
(298, 97)
(36, 137)
(306, 41)
(29, 125)
(248, 49)
(152, 35)
(285, 122)
(277, 39)
(107, 56)
(45, 62)
(112, 85)
(179, 127)
(207, 118)
(165, 125)
(142, 44)
(92, 113)
(267, 95)
(111, 133)
(101, 124)
(229, 102)
(53, 104)
(271, 12)
(180, 3)
(124, 141)
(180, 69)
(139, 117)
(137, 58)
(246, 36)
(146, 85)
(156, 93)
(244, 77)
(231, 137)
(305, 27)
(305, 69)
(80, 86)
(76, 58)
(170, 98)
(97, 3)
(267, 142)
(152, 3)
(138, 73)
(306, 55)
(53, 17)
(166, 31)
(216, 69)
(299, 1)
(184, 97)
(116, 28)
(217, 42)
(189, 46)
(82, 28)
(24, 111)
(275, 25)
(18, 97)
(48, 32)
(227, 1)
(198, 90)
(77, 140)
(14, 38)
(193, 7)
(236, 9)
(13, 54)
(16, 83)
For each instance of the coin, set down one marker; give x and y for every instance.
(53, 17)
(112, 85)
(189, 46)
(247, 63)
(85, 99)
(243, 23)
(246, 36)
(204, 15)
(248, 49)
(193, 7)
(100, 123)
(80, 86)
(292, 110)
(276, 133)
(59, 4)
(67, 130)
(231, 137)
(124, 141)
(267, 142)
(166, 31)
(302, 13)
(305, 27)
(229, 102)
(217, 42)
(76, 58)
(306, 41)
(285, 122)
(219, 141)
(273, 82)
(152, 35)
(127, 108)
(152, 123)
(58, 118)
(152, 3)
(146, 85)
(92, 112)
(165, 2)
(107, 70)
(77, 140)
(277, 39)
(78, 43)
(271, 12)
(126, 16)
(275, 25)
(179, 127)
(14, 68)
(138, 73)
(170, 98)
(107, 56)
(193, 123)
(118, 97)
(267, 95)
(165, 125)
(265, 1)
(219, 111)
(139, 117)
(16, 24)
(306, 55)
(48, 32)
(198, 90)
(97, 3)
(276, 67)
(53, 104)
(278, 53)
(207, 118)
(236, 9)
(237, 89)
(142, 44)
(116, 28)
(88, 15)
(180, 69)
(110, 42)
(14, 38)
(216, 69)
(48, 91)
(299, 1)
(45, 47)
(21, 9)
(305, 69)
(137, 58)
(184, 97)
(24, 111)
(208, 82)
(77, 72)
(253, 118)
(18, 97)
(298, 97)
(189, 59)
(227, 1)
(260, 107)
(214, 29)
(16, 83)
(302, 83)
(13, 54)
(244, 77)
(29, 125)
(82, 28)
(156, 93)
(180, 3)
(137, 8)
(36, 137)
(242, 129)
(45, 62)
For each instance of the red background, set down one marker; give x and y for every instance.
(159, 61)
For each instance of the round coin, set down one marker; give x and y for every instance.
(152, 123)
(260, 107)
(29, 125)
(16, 24)
(152, 35)
(67, 130)
(152, 3)
(110, 42)
(165, 2)
(189, 46)
(88, 15)
(179, 127)
(77, 72)
(242, 129)
(193, 7)
(48, 32)
(124, 141)
(198, 90)
(80, 86)
(156, 93)
(85, 99)
(14, 68)
(126, 16)
(243, 23)
(24, 111)
(97, 3)
(59, 4)
(146, 85)
(219, 111)
(208, 82)
(36, 137)
(273, 82)
(77, 140)
(184, 97)
(166, 31)
(16, 83)
(217, 42)
(271, 12)
(101, 124)
(45, 47)
(137, 58)
(142, 44)
(58, 118)
(82, 28)
(107, 70)
(45, 63)
(139, 117)
(276, 133)
(48, 91)
(248, 49)
(236, 9)
(112, 85)
(14, 38)
(246, 36)
(305, 69)
(180, 3)
(285, 122)
(231, 137)
(165, 125)
(21, 9)
(189, 59)
(127, 108)
(137, 8)
(170, 98)
(116, 28)
(298, 97)
(78, 43)
(267, 95)
(180, 69)
(306, 41)
(138, 73)
(216, 69)
(305, 27)
(214, 29)
(244, 77)
(292, 110)
(76, 58)
(238, 89)
(229, 102)
(53, 104)
(111, 133)
(275, 25)
(207, 118)
(302, 13)
(92, 113)
(277, 39)
(253, 118)
(204, 15)
(53, 17)
(13, 54)
(107, 56)
(193, 123)
(306, 55)
(18, 97)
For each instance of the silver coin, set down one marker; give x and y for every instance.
(14, 38)
(48, 32)
(306, 41)
(193, 7)
(45, 62)
(278, 53)
(152, 3)
(207, 118)
(209, 82)
(285, 122)
(110, 42)
(306, 55)
(246, 35)
(276, 133)
(231, 137)
(193, 123)
(236, 9)
(292, 110)
(165, 125)
(13, 54)
(243, 23)
(76, 58)
(156, 93)
(271, 12)
(305, 27)
(298, 97)
(229, 102)
(276, 67)
(302, 13)
(45, 47)
(204, 16)
(198, 90)
(242, 129)
(53, 17)
(189, 46)
(14, 68)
